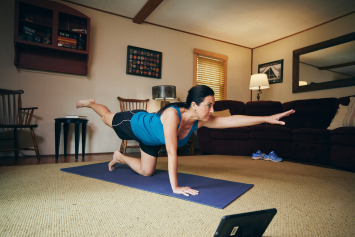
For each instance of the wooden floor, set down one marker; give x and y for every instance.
(50, 159)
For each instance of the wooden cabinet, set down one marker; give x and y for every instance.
(51, 36)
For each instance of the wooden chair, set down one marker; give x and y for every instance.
(13, 116)
(131, 104)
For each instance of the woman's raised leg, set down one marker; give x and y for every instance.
(144, 166)
(101, 110)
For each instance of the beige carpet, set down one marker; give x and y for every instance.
(41, 200)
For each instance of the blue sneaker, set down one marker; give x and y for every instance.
(272, 157)
(257, 155)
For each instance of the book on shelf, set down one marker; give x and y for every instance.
(65, 42)
(80, 30)
(67, 46)
(76, 116)
(28, 33)
(67, 35)
(67, 39)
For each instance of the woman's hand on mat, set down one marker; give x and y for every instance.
(185, 191)
(274, 119)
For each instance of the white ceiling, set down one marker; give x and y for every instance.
(248, 23)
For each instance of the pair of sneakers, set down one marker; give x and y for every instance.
(271, 157)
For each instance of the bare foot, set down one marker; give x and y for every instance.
(84, 103)
(115, 159)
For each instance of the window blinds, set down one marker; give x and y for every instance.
(210, 72)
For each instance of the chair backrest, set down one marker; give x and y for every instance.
(10, 102)
(11, 111)
(132, 104)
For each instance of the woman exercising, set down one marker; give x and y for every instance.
(172, 125)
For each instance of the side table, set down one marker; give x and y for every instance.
(66, 122)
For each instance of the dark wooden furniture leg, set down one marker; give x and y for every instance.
(66, 132)
(35, 144)
(57, 138)
(15, 143)
(77, 133)
(83, 138)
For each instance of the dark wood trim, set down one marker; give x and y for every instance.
(337, 66)
(146, 10)
(306, 29)
(324, 85)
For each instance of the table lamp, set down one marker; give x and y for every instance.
(258, 82)
(164, 92)
(303, 83)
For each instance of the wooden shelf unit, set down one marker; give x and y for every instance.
(34, 19)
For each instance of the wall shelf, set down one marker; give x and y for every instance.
(44, 38)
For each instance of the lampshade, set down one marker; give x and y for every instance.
(259, 81)
(164, 92)
(303, 83)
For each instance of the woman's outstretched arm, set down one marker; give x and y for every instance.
(170, 121)
(243, 120)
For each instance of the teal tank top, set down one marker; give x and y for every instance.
(149, 129)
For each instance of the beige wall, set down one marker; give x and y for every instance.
(55, 94)
(283, 49)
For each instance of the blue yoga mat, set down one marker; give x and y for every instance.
(213, 192)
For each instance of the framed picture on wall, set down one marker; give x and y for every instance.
(273, 70)
(144, 62)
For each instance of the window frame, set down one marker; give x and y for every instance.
(211, 55)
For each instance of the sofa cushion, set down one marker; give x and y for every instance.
(271, 132)
(262, 108)
(235, 107)
(343, 131)
(312, 113)
(240, 133)
(343, 136)
(311, 135)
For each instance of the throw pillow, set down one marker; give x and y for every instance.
(223, 113)
(349, 120)
(339, 117)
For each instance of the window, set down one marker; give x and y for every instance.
(210, 69)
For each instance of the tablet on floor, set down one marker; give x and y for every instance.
(250, 224)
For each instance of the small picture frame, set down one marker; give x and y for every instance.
(273, 70)
(144, 62)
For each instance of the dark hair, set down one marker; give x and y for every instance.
(196, 94)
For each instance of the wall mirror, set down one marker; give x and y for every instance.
(326, 65)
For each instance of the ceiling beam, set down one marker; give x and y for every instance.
(148, 8)
(337, 66)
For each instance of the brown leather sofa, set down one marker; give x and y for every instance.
(304, 137)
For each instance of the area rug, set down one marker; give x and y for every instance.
(41, 200)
